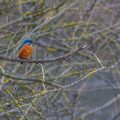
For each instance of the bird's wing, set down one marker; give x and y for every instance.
(20, 47)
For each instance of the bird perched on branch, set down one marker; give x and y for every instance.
(25, 49)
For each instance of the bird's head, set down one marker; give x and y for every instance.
(27, 41)
(24, 42)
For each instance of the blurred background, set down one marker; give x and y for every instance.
(89, 78)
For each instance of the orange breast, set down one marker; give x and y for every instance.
(25, 52)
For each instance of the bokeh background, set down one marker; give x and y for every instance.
(90, 77)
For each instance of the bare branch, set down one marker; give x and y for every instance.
(41, 60)
(30, 79)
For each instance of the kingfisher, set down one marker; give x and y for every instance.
(25, 49)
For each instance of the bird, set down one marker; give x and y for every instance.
(25, 49)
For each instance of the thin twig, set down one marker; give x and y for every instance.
(2, 57)
(30, 80)
(43, 75)
(108, 103)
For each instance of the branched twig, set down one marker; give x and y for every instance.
(52, 18)
(43, 74)
(86, 76)
(9, 93)
(41, 60)
(115, 116)
(108, 103)
(31, 80)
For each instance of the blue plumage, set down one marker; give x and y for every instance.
(25, 41)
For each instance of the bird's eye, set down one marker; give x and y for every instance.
(29, 43)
